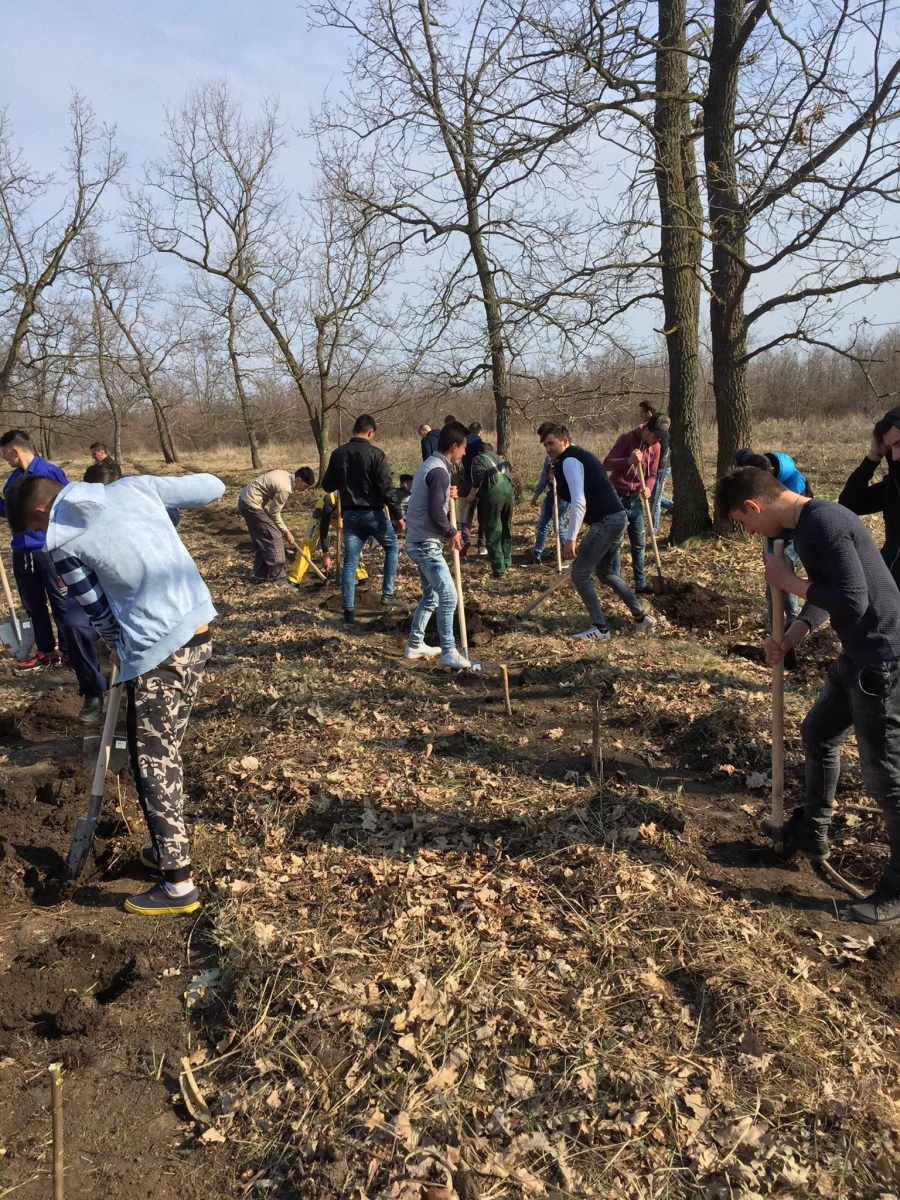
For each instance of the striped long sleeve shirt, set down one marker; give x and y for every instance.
(82, 583)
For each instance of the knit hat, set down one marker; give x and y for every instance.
(743, 456)
(658, 423)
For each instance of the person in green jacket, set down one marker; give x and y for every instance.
(492, 491)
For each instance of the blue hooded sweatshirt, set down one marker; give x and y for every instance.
(31, 539)
(786, 472)
(118, 551)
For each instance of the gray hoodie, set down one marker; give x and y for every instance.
(118, 551)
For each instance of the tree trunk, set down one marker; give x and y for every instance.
(319, 426)
(681, 247)
(495, 343)
(117, 436)
(255, 460)
(728, 228)
(164, 433)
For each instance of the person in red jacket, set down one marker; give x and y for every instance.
(635, 451)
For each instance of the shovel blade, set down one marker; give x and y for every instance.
(83, 839)
(80, 848)
(17, 646)
(118, 755)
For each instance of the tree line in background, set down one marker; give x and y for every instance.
(516, 210)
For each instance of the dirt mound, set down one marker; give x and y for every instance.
(52, 714)
(62, 990)
(691, 604)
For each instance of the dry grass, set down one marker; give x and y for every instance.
(822, 447)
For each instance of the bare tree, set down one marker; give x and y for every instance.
(802, 155)
(33, 247)
(680, 259)
(149, 335)
(478, 127)
(216, 203)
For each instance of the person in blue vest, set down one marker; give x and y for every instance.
(786, 471)
(36, 577)
(582, 481)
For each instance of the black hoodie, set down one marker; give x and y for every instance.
(863, 497)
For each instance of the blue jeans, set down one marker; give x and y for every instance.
(547, 518)
(360, 524)
(656, 496)
(438, 592)
(634, 512)
(791, 602)
(866, 700)
(596, 555)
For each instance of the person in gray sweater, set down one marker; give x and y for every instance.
(428, 531)
(850, 583)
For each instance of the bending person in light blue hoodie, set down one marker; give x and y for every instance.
(118, 553)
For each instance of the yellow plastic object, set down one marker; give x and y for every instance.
(310, 545)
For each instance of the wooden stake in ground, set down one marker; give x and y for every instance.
(778, 713)
(57, 1111)
(504, 673)
(648, 517)
(559, 565)
(457, 576)
(596, 756)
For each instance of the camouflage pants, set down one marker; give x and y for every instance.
(159, 708)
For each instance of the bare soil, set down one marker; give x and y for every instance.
(416, 902)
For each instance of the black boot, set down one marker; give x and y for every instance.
(799, 834)
(882, 907)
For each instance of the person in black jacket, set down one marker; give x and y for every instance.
(863, 497)
(360, 473)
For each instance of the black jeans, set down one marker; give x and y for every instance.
(866, 700)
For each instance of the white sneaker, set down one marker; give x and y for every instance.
(593, 635)
(455, 660)
(642, 624)
(482, 550)
(422, 651)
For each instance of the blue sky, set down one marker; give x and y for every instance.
(131, 59)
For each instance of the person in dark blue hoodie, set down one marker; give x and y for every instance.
(36, 576)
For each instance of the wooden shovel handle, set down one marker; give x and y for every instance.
(10, 604)
(778, 703)
(648, 517)
(457, 576)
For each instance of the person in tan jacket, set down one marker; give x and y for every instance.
(260, 504)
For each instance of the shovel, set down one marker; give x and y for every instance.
(86, 827)
(17, 635)
(559, 566)
(663, 584)
(457, 576)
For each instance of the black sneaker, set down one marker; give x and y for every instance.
(797, 834)
(882, 907)
(644, 591)
(159, 902)
(91, 709)
(349, 616)
(390, 601)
